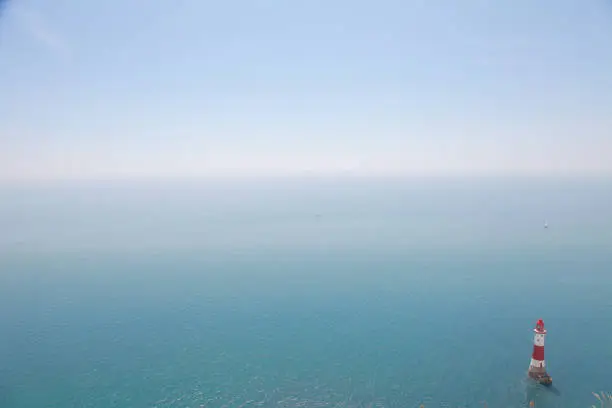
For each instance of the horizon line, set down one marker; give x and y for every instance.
(307, 177)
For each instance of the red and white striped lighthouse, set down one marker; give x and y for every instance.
(537, 368)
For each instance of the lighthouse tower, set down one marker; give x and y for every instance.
(537, 368)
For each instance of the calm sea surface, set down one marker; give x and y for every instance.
(304, 293)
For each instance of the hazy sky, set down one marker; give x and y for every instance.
(124, 88)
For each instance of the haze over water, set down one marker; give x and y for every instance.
(303, 293)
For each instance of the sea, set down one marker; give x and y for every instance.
(304, 292)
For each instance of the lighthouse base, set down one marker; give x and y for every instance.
(541, 378)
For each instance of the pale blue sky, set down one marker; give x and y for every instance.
(126, 88)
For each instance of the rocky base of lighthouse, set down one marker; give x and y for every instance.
(541, 378)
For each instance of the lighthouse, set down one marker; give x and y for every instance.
(537, 368)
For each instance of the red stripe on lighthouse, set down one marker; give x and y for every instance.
(538, 353)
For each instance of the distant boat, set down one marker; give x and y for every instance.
(545, 224)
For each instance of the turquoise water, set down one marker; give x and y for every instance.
(304, 293)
